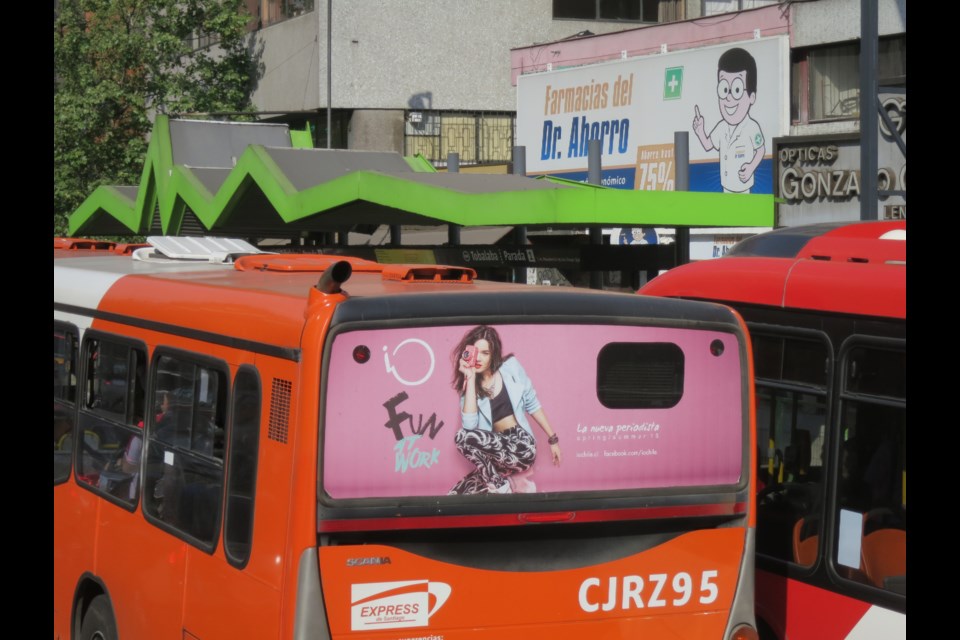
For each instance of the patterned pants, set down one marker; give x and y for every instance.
(496, 456)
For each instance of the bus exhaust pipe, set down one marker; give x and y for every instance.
(335, 276)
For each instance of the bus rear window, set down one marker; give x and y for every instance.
(634, 375)
(518, 408)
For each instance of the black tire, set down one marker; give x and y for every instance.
(98, 622)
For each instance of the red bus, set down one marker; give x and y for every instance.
(826, 309)
(254, 445)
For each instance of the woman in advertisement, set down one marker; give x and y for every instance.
(495, 436)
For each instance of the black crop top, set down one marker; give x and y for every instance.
(500, 406)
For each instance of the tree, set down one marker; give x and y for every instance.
(119, 62)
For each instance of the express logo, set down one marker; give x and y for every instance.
(395, 605)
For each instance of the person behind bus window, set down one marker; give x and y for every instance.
(130, 459)
(495, 397)
(208, 436)
(62, 430)
(62, 443)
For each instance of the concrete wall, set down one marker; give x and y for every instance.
(423, 54)
(687, 34)
(376, 130)
(466, 54)
(827, 21)
(288, 65)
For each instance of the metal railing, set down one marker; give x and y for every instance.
(478, 137)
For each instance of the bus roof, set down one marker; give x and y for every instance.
(264, 298)
(854, 268)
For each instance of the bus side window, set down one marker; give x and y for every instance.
(244, 446)
(109, 418)
(184, 472)
(791, 373)
(872, 518)
(64, 395)
(64, 362)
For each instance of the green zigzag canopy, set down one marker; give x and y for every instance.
(249, 179)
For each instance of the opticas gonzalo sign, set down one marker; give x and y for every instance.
(798, 182)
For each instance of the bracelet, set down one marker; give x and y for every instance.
(554, 439)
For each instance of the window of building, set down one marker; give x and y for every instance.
(892, 62)
(267, 12)
(616, 10)
(242, 466)
(111, 416)
(826, 80)
(713, 7)
(183, 480)
(198, 40)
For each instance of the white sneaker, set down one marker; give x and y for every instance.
(504, 488)
(521, 482)
(522, 485)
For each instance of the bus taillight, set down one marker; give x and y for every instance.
(745, 632)
(559, 516)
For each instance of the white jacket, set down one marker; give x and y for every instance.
(522, 396)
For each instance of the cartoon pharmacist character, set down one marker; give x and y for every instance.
(737, 136)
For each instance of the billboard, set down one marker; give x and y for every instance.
(593, 408)
(732, 99)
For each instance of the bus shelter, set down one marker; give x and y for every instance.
(263, 181)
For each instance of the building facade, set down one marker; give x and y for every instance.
(818, 162)
(434, 78)
(418, 76)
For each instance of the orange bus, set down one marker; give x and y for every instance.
(255, 445)
(826, 308)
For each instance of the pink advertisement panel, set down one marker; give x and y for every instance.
(406, 416)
